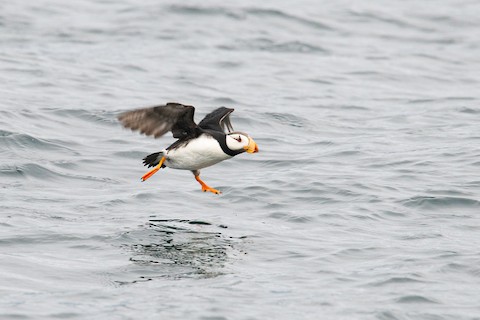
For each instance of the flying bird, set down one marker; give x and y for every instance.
(198, 146)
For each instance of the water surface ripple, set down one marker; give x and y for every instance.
(362, 203)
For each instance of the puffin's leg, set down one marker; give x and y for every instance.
(205, 188)
(154, 170)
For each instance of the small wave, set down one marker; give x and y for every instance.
(419, 236)
(241, 14)
(393, 214)
(290, 216)
(37, 171)
(415, 299)
(387, 315)
(263, 44)
(226, 101)
(373, 17)
(97, 116)
(207, 11)
(9, 170)
(273, 13)
(26, 141)
(4, 133)
(286, 119)
(435, 202)
(396, 281)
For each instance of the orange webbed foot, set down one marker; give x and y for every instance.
(206, 188)
(212, 190)
(154, 170)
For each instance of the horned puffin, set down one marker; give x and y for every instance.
(198, 146)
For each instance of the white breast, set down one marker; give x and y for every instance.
(199, 153)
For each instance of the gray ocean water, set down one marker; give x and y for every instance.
(363, 202)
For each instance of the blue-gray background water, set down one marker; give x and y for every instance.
(363, 202)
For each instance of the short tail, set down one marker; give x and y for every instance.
(153, 159)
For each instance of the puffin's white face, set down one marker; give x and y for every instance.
(241, 141)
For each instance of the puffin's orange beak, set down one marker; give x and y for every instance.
(252, 146)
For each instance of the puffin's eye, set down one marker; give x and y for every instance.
(239, 139)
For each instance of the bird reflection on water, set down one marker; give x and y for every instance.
(178, 248)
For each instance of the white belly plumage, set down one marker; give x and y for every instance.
(197, 154)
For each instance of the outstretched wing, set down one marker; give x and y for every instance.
(156, 121)
(217, 120)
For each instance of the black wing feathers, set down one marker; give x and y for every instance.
(217, 120)
(156, 121)
(185, 125)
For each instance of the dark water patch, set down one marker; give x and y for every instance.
(430, 202)
(469, 110)
(180, 248)
(415, 299)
